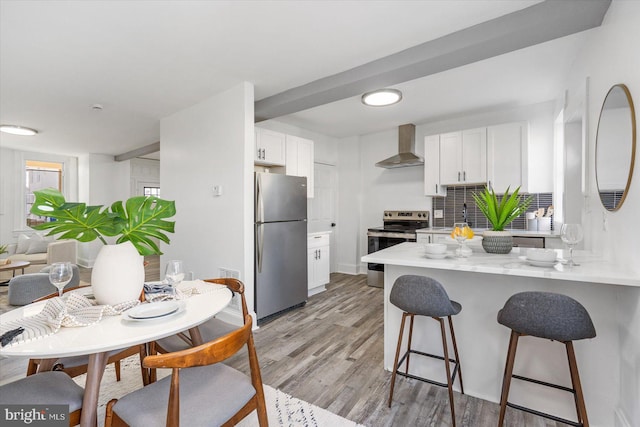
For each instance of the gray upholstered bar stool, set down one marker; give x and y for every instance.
(424, 296)
(551, 316)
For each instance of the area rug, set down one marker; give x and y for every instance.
(282, 409)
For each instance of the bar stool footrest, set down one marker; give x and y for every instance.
(539, 382)
(544, 415)
(426, 380)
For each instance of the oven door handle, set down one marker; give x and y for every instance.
(406, 236)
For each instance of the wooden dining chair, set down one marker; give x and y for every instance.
(78, 365)
(209, 330)
(201, 391)
(51, 388)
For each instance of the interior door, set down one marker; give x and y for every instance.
(322, 206)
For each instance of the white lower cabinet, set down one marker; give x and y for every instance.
(318, 262)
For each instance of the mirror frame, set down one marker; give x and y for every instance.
(633, 144)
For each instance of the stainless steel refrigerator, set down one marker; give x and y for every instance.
(280, 243)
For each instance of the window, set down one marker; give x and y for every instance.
(39, 175)
(151, 191)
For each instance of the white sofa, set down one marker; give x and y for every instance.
(45, 254)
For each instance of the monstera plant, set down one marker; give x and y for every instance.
(139, 220)
(118, 272)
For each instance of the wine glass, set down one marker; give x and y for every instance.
(60, 275)
(460, 233)
(174, 273)
(571, 234)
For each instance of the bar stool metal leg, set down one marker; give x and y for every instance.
(448, 370)
(455, 352)
(508, 371)
(395, 363)
(406, 367)
(575, 382)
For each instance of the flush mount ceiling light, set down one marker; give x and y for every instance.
(382, 97)
(17, 130)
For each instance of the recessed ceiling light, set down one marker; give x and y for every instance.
(17, 130)
(382, 97)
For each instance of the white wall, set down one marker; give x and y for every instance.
(209, 144)
(611, 56)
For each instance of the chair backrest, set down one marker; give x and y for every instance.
(208, 353)
(236, 286)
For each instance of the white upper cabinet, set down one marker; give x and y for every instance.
(299, 159)
(432, 185)
(506, 156)
(463, 157)
(270, 148)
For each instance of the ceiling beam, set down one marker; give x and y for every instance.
(138, 152)
(536, 24)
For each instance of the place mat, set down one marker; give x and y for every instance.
(70, 310)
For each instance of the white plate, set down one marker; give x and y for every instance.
(152, 311)
(546, 264)
(436, 256)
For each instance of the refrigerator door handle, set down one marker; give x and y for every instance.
(259, 200)
(260, 244)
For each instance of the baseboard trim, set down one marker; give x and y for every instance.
(347, 269)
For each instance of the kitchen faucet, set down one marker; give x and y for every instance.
(464, 214)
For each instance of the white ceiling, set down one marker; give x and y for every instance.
(144, 60)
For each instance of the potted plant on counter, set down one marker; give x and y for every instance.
(500, 213)
(118, 271)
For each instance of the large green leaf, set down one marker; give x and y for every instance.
(74, 220)
(145, 221)
(141, 220)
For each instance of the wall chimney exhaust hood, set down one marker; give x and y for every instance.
(406, 147)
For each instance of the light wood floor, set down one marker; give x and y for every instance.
(330, 353)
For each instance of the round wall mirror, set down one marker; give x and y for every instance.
(615, 147)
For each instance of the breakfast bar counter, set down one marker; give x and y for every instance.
(609, 364)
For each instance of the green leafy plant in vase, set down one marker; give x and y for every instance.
(500, 213)
(118, 271)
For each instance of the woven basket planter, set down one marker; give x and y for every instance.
(497, 242)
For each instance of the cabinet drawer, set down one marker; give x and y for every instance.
(318, 241)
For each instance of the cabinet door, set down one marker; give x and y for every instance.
(474, 156)
(450, 158)
(270, 147)
(423, 238)
(506, 145)
(323, 268)
(432, 185)
(299, 159)
(312, 254)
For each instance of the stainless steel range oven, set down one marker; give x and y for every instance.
(399, 226)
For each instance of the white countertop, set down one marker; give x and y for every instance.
(592, 268)
(478, 231)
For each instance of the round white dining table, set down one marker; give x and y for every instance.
(111, 333)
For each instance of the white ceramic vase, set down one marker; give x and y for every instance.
(118, 274)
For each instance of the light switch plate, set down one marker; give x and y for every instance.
(217, 190)
(438, 214)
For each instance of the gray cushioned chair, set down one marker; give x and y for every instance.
(550, 316)
(200, 391)
(27, 288)
(424, 296)
(47, 388)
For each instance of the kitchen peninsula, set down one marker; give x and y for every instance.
(481, 284)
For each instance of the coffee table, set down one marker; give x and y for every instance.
(15, 265)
